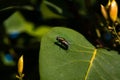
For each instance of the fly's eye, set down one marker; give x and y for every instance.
(62, 43)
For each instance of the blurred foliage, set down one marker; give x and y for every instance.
(24, 22)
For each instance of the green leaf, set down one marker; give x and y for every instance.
(46, 13)
(17, 23)
(58, 7)
(82, 61)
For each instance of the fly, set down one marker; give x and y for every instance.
(62, 42)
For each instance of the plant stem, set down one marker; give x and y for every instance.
(116, 34)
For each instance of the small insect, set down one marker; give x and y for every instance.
(62, 43)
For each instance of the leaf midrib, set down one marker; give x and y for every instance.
(90, 63)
